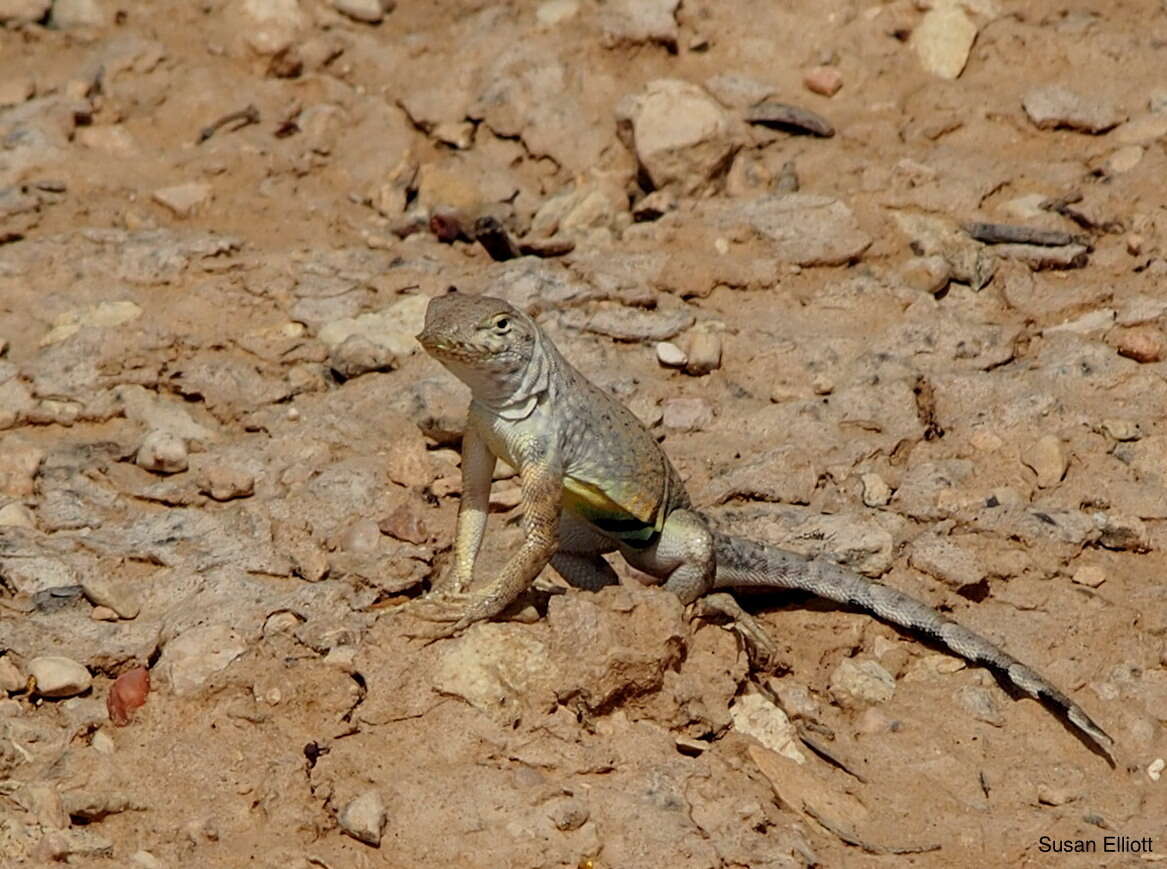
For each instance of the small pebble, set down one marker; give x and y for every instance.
(405, 523)
(686, 414)
(1090, 575)
(368, 11)
(928, 274)
(11, 679)
(163, 452)
(128, 692)
(16, 515)
(1122, 429)
(1055, 796)
(103, 592)
(362, 536)
(1047, 458)
(102, 743)
(1140, 343)
(1155, 769)
(1124, 159)
(858, 683)
(103, 614)
(825, 80)
(183, 200)
(58, 676)
(364, 818)
(670, 355)
(226, 483)
(876, 492)
(704, 353)
(280, 623)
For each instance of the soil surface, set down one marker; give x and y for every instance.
(223, 458)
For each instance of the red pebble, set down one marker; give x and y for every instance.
(127, 693)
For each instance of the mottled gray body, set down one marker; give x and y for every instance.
(595, 481)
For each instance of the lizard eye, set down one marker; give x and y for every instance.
(502, 324)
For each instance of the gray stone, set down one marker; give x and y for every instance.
(802, 228)
(1054, 106)
(641, 21)
(876, 491)
(364, 818)
(633, 324)
(58, 676)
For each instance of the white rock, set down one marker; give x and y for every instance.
(190, 659)
(23, 10)
(858, 683)
(670, 355)
(943, 39)
(163, 452)
(57, 676)
(364, 818)
(681, 136)
(16, 515)
(68, 14)
(183, 200)
(103, 743)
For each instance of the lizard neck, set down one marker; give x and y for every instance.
(516, 397)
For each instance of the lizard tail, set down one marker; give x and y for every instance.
(742, 563)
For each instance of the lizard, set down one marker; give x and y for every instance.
(594, 481)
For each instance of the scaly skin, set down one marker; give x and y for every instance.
(595, 481)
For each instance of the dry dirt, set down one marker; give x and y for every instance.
(200, 475)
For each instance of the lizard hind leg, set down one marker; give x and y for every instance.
(683, 556)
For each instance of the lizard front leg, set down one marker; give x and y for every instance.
(477, 469)
(541, 479)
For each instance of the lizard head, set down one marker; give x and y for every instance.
(479, 339)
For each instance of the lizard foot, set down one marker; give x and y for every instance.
(446, 613)
(760, 648)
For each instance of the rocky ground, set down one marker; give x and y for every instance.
(885, 279)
